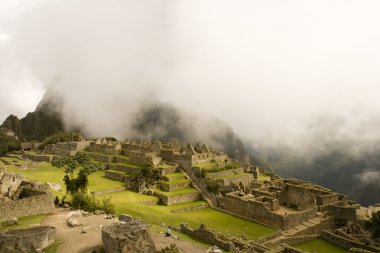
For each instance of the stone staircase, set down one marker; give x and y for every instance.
(176, 189)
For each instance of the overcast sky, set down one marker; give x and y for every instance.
(267, 68)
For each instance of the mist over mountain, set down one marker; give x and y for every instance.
(154, 121)
(338, 153)
(296, 80)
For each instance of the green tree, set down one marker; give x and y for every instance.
(373, 225)
(8, 143)
(77, 169)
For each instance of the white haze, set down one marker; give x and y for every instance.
(270, 69)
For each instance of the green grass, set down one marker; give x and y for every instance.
(128, 202)
(132, 165)
(188, 204)
(320, 246)
(52, 248)
(179, 192)
(44, 172)
(174, 176)
(263, 177)
(231, 176)
(26, 222)
(202, 165)
(122, 156)
(178, 181)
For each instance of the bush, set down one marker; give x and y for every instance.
(373, 225)
(213, 187)
(87, 202)
(7, 144)
(108, 207)
(200, 173)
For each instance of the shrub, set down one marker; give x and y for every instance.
(108, 207)
(373, 225)
(213, 187)
(87, 202)
(200, 173)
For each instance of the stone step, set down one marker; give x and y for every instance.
(178, 197)
(174, 176)
(117, 175)
(174, 185)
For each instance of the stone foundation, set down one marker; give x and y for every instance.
(178, 199)
(34, 202)
(27, 240)
(131, 237)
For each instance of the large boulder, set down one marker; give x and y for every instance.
(27, 240)
(130, 237)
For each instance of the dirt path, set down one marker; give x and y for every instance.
(74, 241)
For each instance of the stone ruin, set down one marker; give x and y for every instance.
(296, 207)
(27, 240)
(19, 198)
(131, 236)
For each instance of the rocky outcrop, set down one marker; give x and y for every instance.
(27, 240)
(129, 237)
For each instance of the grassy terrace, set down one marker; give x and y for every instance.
(320, 246)
(131, 165)
(232, 176)
(178, 181)
(44, 172)
(262, 177)
(203, 165)
(175, 193)
(128, 202)
(174, 176)
(118, 172)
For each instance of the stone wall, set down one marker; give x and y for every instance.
(169, 186)
(346, 243)
(41, 203)
(246, 179)
(260, 211)
(297, 197)
(9, 183)
(128, 169)
(38, 158)
(200, 184)
(207, 235)
(344, 213)
(177, 199)
(131, 237)
(190, 208)
(27, 240)
(66, 148)
(102, 158)
(293, 240)
(224, 173)
(120, 176)
(289, 249)
(326, 223)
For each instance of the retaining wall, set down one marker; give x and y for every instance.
(177, 199)
(41, 203)
(346, 243)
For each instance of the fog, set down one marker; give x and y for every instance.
(275, 71)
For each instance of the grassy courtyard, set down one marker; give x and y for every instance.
(130, 203)
(44, 172)
(320, 246)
